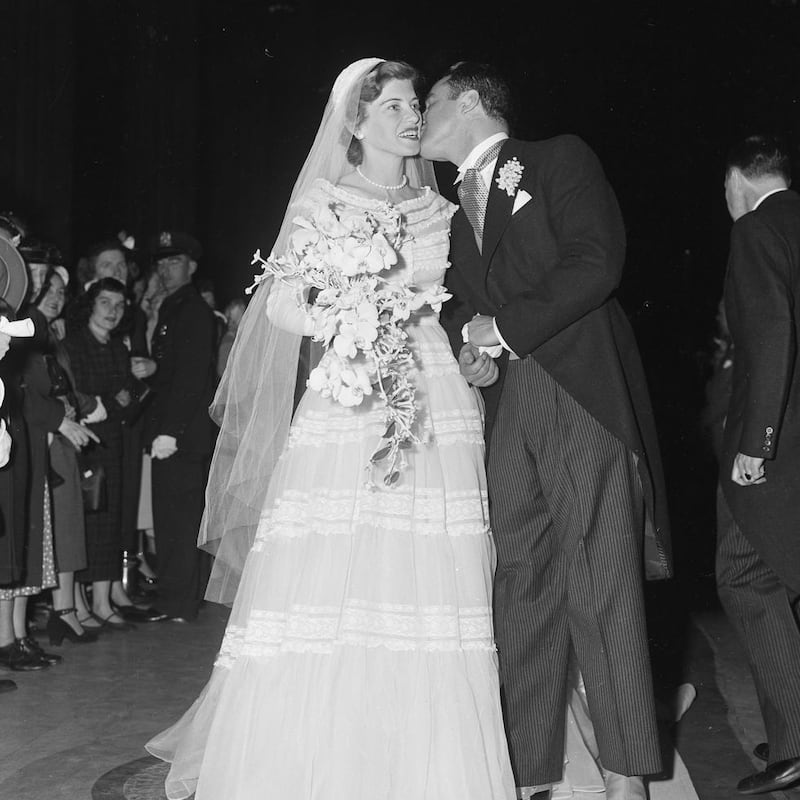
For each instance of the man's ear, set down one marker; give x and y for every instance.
(468, 101)
(192, 266)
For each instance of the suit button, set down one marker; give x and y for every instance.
(770, 430)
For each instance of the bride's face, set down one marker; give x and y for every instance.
(392, 122)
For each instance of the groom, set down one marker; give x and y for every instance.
(574, 476)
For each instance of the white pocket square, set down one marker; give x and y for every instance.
(520, 200)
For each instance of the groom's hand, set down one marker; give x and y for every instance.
(478, 368)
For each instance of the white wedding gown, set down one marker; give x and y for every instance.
(359, 662)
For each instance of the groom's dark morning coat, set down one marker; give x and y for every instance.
(548, 274)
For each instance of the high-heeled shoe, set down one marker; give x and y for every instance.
(110, 624)
(32, 649)
(58, 629)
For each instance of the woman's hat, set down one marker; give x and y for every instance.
(13, 274)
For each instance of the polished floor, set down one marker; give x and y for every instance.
(76, 731)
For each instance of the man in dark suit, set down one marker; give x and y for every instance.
(178, 428)
(758, 547)
(575, 489)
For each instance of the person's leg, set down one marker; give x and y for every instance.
(178, 497)
(530, 582)
(760, 609)
(12, 619)
(64, 601)
(119, 597)
(6, 622)
(20, 617)
(101, 603)
(27, 647)
(606, 600)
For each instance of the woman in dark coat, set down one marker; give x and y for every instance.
(13, 507)
(109, 258)
(39, 570)
(55, 410)
(101, 367)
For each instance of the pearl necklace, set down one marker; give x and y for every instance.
(402, 185)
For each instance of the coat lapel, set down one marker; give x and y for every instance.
(500, 203)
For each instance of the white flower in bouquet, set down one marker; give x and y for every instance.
(358, 314)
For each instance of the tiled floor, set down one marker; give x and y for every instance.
(76, 731)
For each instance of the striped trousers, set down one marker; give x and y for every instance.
(760, 608)
(568, 518)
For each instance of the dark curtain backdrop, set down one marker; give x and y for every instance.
(37, 115)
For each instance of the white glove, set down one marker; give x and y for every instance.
(17, 327)
(5, 444)
(494, 351)
(98, 415)
(163, 446)
(20, 327)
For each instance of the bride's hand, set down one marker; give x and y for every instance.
(478, 368)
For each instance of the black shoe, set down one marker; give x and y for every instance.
(32, 648)
(7, 686)
(761, 751)
(780, 775)
(14, 658)
(59, 629)
(133, 613)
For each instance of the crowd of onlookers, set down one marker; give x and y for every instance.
(105, 405)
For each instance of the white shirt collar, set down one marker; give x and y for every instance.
(765, 196)
(477, 152)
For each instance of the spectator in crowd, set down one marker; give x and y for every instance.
(13, 474)
(55, 411)
(150, 303)
(111, 258)
(101, 366)
(179, 431)
(39, 567)
(104, 259)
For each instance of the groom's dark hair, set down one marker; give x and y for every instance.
(494, 92)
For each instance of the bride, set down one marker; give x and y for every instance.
(358, 661)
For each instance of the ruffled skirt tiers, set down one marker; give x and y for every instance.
(358, 662)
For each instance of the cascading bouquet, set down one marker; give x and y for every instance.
(358, 314)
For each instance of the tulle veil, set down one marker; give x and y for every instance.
(254, 401)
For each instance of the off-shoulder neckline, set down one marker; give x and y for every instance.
(374, 201)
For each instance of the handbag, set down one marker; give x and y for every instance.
(93, 487)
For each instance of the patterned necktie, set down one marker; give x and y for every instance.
(474, 194)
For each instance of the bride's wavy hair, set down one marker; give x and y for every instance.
(370, 91)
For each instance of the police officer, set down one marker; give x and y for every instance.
(178, 428)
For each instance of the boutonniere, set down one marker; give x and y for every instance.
(509, 176)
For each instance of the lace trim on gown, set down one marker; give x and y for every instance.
(309, 629)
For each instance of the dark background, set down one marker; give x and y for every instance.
(143, 115)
